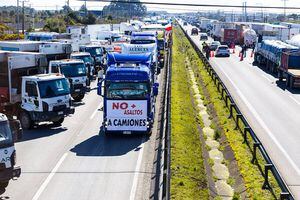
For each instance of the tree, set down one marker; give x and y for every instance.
(90, 19)
(127, 10)
(56, 24)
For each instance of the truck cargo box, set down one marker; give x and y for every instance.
(20, 45)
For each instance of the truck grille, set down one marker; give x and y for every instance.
(59, 108)
(78, 86)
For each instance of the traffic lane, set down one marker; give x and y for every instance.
(97, 166)
(293, 94)
(275, 125)
(276, 103)
(42, 147)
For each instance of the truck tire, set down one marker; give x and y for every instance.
(25, 120)
(59, 121)
(78, 97)
(4, 184)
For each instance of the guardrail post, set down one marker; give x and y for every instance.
(238, 117)
(226, 100)
(266, 184)
(255, 146)
(219, 87)
(231, 110)
(222, 93)
(246, 130)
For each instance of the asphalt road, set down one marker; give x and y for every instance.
(272, 111)
(75, 162)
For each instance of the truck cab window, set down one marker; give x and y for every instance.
(31, 89)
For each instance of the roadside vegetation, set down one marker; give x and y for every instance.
(251, 173)
(188, 180)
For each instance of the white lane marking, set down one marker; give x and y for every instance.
(137, 171)
(50, 176)
(267, 78)
(95, 112)
(294, 99)
(262, 123)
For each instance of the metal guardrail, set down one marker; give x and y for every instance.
(246, 129)
(166, 129)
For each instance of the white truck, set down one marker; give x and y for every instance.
(75, 71)
(88, 61)
(10, 133)
(52, 50)
(30, 96)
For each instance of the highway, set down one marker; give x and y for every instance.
(76, 162)
(272, 111)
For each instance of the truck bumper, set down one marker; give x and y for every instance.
(127, 132)
(9, 173)
(78, 90)
(51, 115)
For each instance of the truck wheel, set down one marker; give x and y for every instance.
(78, 97)
(4, 184)
(25, 120)
(59, 121)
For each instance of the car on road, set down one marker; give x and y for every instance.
(214, 45)
(185, 23)
(203, 36)
(194, 31)
(222, 51)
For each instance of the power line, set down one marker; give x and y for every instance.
(193, 4)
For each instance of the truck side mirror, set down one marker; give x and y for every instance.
(99, 88)
(155, 89)
(16, 129)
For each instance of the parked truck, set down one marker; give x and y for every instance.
(88, 61)
(281, 58)
(75, 71)
(289, 68)
(10, 133)
(97, 52)
(145, 48)
(52, 50)
(129, 94)
(30, 96)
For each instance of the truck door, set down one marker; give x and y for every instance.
(30, 99)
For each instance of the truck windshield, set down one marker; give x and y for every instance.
(94, 51)
(127, 91)
(73, 70)
(54, 88)
(86, 59)
(5, 134)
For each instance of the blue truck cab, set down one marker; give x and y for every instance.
(129, 93)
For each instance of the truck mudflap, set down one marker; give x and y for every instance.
(16, 173)
(51, 115)
(9, 173)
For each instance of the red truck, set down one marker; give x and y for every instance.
(290, 68)
(229, 36)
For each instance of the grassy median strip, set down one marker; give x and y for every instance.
(251, 173)
(188, 180)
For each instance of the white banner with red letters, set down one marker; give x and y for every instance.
(126, 115)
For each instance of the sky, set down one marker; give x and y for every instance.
(57, 4)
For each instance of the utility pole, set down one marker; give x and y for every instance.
(18, 16)
(284, 7)
(23, 18)
(85, 8)
(23, 14)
